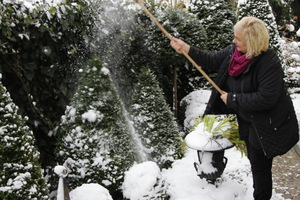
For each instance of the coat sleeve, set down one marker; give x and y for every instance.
(209, 60)
(267, 87)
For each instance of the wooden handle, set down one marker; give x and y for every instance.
(183, 52)
(153, 19)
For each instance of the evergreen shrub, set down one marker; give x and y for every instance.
(20, 171)
(95, 143)
(154, 121)
(40, 48)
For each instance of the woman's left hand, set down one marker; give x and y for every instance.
(224, 97)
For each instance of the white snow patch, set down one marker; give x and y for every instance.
(140, 179)
(90, 115)
(61, 171)
(200, 139)
(298, 32)
(105, 71)
(90, 191)
(295, 57)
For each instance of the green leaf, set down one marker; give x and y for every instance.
(227, 127)
(52, 10)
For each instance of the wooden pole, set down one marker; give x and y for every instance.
(184, 53)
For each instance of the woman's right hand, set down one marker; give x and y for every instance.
(179, 45)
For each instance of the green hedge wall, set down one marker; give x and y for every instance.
(40, 48)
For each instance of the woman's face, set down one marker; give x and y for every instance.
(239, 41)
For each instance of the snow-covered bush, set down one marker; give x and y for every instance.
(282, 11)
(20, 170)
(291, 50)
(90, 191)
(145, 182)
(178, 23)
(154, 121)
(164, 60)
(95, 144)
(218, 19)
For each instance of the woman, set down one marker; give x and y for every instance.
(251, 79)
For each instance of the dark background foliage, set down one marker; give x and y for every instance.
(40, 51)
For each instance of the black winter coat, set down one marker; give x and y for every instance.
(264, 109)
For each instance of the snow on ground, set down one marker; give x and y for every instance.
(181, 181)
(186, 185)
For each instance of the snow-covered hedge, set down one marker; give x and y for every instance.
(163, 59)
(20, 170)
(95, 143)
(41, 44)
(154, 121)
(218, 19)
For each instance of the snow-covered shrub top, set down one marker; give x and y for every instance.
(90, 191)
(143, 181)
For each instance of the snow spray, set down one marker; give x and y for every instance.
(141, 150)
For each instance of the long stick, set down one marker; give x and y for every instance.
(183, 52)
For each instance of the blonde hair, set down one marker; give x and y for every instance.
(255, 35)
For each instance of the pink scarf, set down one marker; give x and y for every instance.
(238, 63)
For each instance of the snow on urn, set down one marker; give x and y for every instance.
(211, 136)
